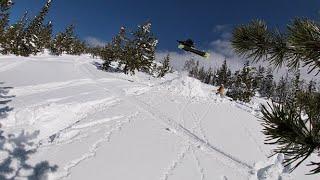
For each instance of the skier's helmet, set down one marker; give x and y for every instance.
(189, 42)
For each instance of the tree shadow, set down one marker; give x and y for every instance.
(4, 100)
(15, 150)
(112, 69)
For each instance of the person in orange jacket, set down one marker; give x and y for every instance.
(220, 90)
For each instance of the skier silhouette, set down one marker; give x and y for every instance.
(188, 45)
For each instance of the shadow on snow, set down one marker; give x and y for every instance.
(15, 150)
(112, 69)
(4, 100)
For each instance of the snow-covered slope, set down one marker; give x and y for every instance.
(89, 124)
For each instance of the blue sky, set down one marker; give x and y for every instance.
(205, 21)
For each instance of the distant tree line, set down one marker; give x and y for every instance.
(249, 81)
(132, 51)
(31, 36)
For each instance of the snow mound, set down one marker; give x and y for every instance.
(186, 86)
(271, 170)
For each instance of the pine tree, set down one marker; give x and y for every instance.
(223, 75)
(94, 51)
(208, 77)
(67, 42)
(288, 89)
(258, 78)
(14, 38)
(131, 63)
(282, 90)
(35, 28)
(214, 78)
(267, 85)
(295, 137)
(119, 42)
(298, 44)
(297, 85)
(242, 84)
(145, 44)
(114, 51)
(202, 74)
(165, 67)
(236, 88)
(194, 70)
(284, 127)
(126, 52)
(137, 52)
(78, 47)
(44, 37)
(108, 55)
(247, 81)
(5, 6)
(189, 64)
(56, 45)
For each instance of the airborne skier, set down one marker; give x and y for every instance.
(188, 45)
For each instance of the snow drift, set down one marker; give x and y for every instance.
(186, 86)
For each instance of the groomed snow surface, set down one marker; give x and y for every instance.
(90, 124)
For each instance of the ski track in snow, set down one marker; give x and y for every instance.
(181, 119)
(91, 109)
(11, 65)
(200, 168)
(199, 123)
(94, 148)
(247, 108)
(224, 157)
(189, 148)
(76, 132)
(47, 87)
(198, 163)
(184, 150)
(247, 131)
(253, 111)
(96, 122)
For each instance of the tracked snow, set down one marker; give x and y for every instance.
(103, 125)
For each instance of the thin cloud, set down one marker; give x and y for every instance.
(221, 28)
(223, 47)
(92, 41)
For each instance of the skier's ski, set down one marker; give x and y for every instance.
(193, 50)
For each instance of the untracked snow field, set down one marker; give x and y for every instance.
(92, 124)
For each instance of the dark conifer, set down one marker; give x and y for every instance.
(165, 67)
(5, 6)
(36, 29)
(295, 137)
